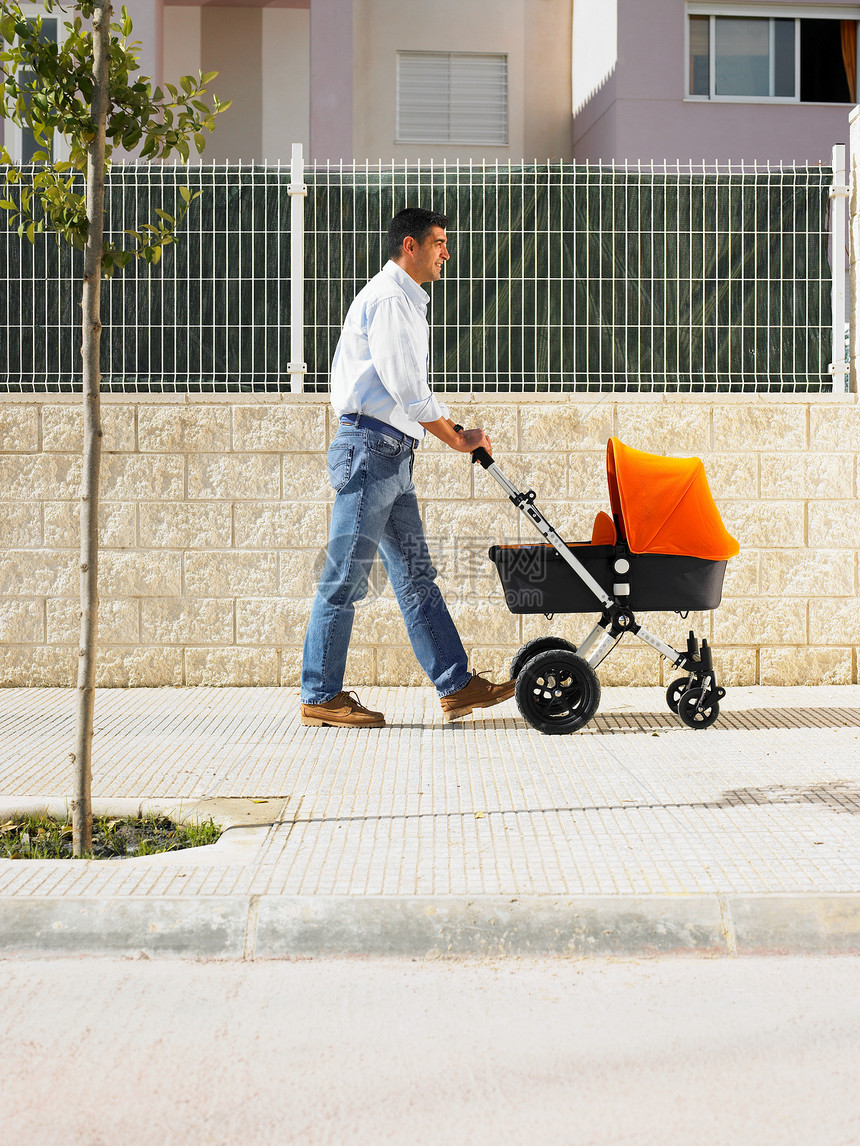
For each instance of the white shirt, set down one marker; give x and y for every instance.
(381, 363)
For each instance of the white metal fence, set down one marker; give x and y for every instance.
(564, 277)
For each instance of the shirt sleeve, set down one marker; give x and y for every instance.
(399, 344)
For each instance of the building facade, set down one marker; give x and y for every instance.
(712, 81)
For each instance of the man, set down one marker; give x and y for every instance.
(380, 390)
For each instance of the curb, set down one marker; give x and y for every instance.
(285, 927)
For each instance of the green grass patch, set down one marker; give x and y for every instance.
(44, 837)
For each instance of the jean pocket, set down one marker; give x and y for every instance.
(383, 445)
(339, 464)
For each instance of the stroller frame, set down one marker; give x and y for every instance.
(694, 697)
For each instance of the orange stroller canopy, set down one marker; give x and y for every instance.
(665, 504)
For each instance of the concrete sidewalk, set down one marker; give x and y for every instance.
(635, 836)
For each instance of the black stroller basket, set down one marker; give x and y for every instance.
(664, 549)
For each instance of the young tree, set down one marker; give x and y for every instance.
(83, 90)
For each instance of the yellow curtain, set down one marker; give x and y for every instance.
(848, 29)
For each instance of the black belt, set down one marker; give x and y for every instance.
(369, 423)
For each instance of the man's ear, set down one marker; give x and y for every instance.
(408, 245)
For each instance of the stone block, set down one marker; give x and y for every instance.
(669, 428)
(756, 622)
(573, 520)
(483, 623)
(21, 524)
(807, 572)
(230, 574)
(305, 477)
(38, 477)
(492, 662)
(735, 667)
(732, 475)
(834, 622)
(271, 620)
(299, 571)
(805, 666)
(274, 525)
(586, 477)
(764, 525)
(62, 428)
(742, 575)
(378, 621)
(835, 427)
(37, 666)
(281, 428)
(469, 522)
(22, 621)
(138, 667)
(447, 475)
(117, 525)
(39, 573)
(806, 475)
(231, 666)
(834, 523)
(118, 622)
(186, 621)
(573, 627)
(140, 574)
(754, 427)
(176, 429)
(565, 426)
(360, 667)
(139, 477)
(19, 428)
(674, 630)
(396, 666)
(499, 421)
(234, 476)
(632, 665)
(185, 525)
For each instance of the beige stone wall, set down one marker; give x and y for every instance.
(214, 514)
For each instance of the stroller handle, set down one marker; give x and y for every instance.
(480, 454)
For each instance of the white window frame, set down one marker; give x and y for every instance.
(762, 11)
(476, 141)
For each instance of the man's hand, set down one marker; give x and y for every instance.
(463, 441)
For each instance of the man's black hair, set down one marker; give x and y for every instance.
(414, 221)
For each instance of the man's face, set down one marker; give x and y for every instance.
(429, 256)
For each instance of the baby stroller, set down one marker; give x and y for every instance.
(663, 548)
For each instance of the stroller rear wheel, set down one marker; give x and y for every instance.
(538, 645)
(675, 691)
(695, 717)
(557, 692)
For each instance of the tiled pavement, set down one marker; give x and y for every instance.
(766, 802)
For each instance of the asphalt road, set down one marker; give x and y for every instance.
(341, 1052)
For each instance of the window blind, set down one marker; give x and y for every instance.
(452, 97)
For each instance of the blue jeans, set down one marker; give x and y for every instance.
(375, 508)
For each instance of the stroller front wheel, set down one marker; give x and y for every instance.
(557, 692)
(676, 690)
(693, 715)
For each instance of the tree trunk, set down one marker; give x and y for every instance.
(82, 813)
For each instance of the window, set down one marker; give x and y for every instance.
(452, 97)
(744, 57)
(21, 142)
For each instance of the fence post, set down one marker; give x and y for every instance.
(838, 368)
(854, 248)
(297, 368)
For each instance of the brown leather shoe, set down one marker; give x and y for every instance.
(343, 711)
(478, 693)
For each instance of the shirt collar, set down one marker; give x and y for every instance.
(413, 291)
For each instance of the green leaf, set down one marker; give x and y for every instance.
(188, 84)
(185, 193)
(8, 205)
(163, 215)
